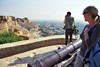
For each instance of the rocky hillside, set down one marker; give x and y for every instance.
(21, 27)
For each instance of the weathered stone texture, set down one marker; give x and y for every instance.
(21, 27)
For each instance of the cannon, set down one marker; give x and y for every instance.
(55, 56)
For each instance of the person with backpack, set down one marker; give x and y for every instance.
(89, 54)
(69, 22)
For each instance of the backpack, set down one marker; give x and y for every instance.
(91, 56)
(96, 55)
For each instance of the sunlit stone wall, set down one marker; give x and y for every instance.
(22, 46)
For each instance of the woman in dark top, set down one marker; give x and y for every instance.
(90, 34)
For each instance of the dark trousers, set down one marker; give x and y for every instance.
(68, 32)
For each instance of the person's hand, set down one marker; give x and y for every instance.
(87, 29)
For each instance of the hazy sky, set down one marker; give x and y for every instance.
(45, 9)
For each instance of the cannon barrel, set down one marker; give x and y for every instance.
(56, 56)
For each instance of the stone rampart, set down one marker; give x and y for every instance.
(22, 46)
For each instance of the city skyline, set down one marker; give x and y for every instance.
(45, 9)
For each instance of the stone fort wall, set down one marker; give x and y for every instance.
(23, 46)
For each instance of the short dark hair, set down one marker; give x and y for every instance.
(68, 13)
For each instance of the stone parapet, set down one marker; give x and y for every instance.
(22, 46)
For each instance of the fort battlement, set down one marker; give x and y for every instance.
(23, 46)
(20, 26)
(12, 18)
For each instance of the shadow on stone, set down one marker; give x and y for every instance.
(26, 60)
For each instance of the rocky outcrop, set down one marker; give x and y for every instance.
(21, 27)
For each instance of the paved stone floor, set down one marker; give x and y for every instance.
(21, 60)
